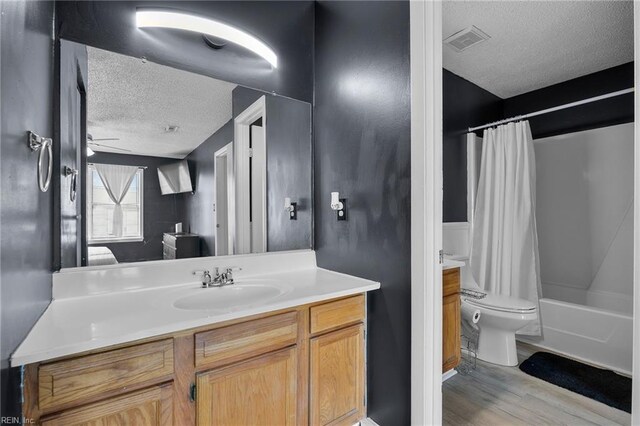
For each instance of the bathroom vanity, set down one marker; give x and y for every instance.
(187, 355)
(277, 341)
(451, 317)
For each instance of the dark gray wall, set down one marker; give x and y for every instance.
(26, 222)
(287, 27)
(71, 73)
(198, 208)
(242, 98)
(603, 113)
(288, 138)
(464, 105)
(161, 212)
(362, 148)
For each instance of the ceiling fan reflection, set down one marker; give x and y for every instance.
(91, 141)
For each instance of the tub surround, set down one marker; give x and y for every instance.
(94, 308)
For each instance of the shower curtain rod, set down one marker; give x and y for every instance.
(140, 167)
(557, 108)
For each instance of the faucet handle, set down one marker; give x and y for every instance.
(206, 276)
(227, 276)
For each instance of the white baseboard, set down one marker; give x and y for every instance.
(368, 422)
(449, 374)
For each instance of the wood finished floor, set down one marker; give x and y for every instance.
(493, 395)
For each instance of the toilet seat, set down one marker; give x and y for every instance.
(499, 303)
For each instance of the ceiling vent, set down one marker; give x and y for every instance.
(464, 39)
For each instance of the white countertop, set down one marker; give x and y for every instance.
(451, 263)
(78, 324)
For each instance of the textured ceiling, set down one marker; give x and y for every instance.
(535, 44)
(135, 101)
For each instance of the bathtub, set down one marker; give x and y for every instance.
(592, 326)
(603, 337)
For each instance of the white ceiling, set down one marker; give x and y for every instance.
(535, 44)
(135, 101)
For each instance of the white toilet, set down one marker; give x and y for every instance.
(500, 318)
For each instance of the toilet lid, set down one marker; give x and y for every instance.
(502, 303)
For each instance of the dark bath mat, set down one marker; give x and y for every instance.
(595, 383)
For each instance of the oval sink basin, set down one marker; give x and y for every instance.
(228, 298)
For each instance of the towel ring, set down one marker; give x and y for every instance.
(38, 143)
(73, 188)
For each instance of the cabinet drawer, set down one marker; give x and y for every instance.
(80, 379)
(152, 407)
(245, 340)
(336, 314)
(450, 282)
(169, 240)
(168, 252)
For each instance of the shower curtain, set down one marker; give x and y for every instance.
(504, 249)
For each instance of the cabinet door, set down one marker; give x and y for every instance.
(450, 332)
(148, 407)
(337, 377)
(261, 391)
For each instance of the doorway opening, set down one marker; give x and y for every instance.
(251, 178)
(224, 196)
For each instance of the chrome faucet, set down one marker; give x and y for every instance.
(218, 279)
(227, 276)
(206, 277)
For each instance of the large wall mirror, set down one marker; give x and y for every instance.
(169, 164)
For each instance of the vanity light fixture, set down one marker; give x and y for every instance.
(183, 21)
(339, 205)
(292, 208)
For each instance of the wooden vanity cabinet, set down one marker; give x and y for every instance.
(337, 377)
(299, 366)
(255, 376)
(451, 317)
(336, 385)
(261, 391)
